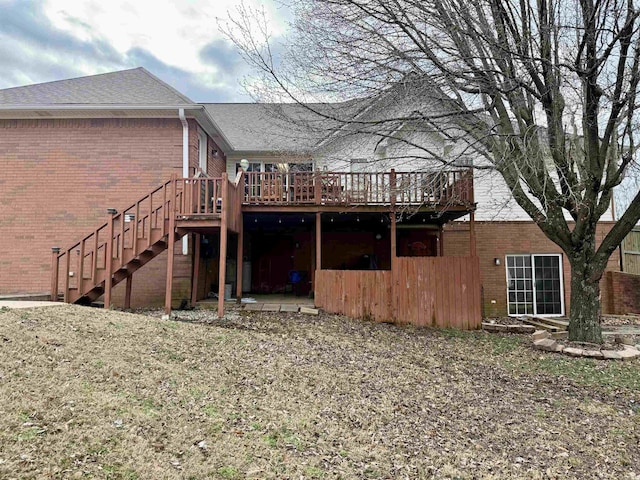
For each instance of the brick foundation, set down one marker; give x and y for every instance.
(498, 239)
(622, 293)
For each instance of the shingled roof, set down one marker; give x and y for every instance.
(126, 87)
(275, 127)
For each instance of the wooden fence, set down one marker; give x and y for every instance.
(439, 292)
(631, 253)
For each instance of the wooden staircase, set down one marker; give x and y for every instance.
(136, 235)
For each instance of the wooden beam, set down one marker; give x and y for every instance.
(239, 259)
(197, 240)
(171, 240)
(222, 269)
(472, 235)
(393, 240)
(55, 271)
(108, 259)
(127, 292)
(318, 241)
(441, 240)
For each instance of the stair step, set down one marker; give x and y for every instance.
(556, 322)
(540, 325)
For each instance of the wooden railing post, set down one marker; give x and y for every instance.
(55, 271)
(171, 240)
(392, 187)
(317, 188)
(222, 269)
(197, 239)
(108, 260)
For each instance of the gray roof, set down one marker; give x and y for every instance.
(126, 87)
(273, 127)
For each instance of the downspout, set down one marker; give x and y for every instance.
(185, 165)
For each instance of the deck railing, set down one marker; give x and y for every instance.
(129, 232)
(359, 188)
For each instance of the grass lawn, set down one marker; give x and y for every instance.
(88, 393)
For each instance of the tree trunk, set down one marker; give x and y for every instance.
(584, 318)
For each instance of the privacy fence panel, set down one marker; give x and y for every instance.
(439, 292)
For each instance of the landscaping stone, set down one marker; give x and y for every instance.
(309, 310)
(271, 307)
(497, 327)
(540, 335)
(560, 335)
(289, 307)
(611, 355)
(628, 353)
(253, 307)
(573, 352)
(624, 340)
(593, 354)
(546, 344)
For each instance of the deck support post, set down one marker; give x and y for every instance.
(393, 240)
(441, 240)
(318, 241)
(171, 240)
(222, 269)
(197, 240)
(239, 259)
(55, 272)
(108, 259)
(127, 292)
(472, 234)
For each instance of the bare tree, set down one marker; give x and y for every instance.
(541, 91)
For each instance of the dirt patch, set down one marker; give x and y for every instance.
(88, 393)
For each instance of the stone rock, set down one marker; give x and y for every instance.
(559, 348)
(289, 307)
(624, 340)
(271, 307)
(573, 352)
(253, 307)
(593, 354)
(540, 335)
(628, 353)
(560, 335)
(611, 355)
(546, 344)
(309, 310)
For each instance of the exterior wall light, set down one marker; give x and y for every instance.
(496, 262)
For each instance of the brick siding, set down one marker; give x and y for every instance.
(622, 294)
(59, 177)
(498, 239)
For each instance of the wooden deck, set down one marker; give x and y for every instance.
(452, 188)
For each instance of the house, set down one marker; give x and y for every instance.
(153, 198)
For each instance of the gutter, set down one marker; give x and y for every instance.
(185, 165)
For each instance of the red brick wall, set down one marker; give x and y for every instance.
(622, 294)
(497, 239)
(59, 177)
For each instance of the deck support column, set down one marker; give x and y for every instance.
(472, 235)
(222, 270)
(441, 240)
(239, 259)
(393, 240)
(55, 272)
(318, 241)
(127, 292)
(108, 259)
(197, 240)
(171, 240)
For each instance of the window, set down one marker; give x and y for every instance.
(202, 151)
(535, 285)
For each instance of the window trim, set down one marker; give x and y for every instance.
(533, 281)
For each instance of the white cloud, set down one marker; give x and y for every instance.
(172, 31)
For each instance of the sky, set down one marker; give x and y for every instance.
(179, 41)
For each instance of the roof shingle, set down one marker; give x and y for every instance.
(126, 87)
